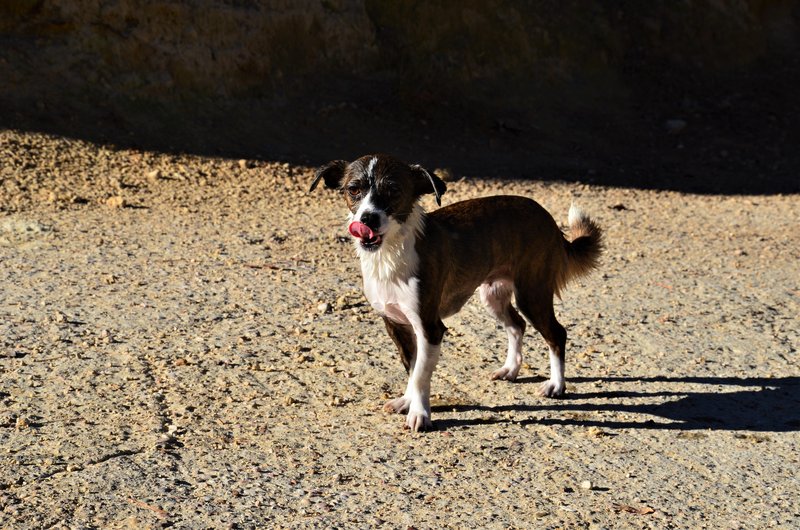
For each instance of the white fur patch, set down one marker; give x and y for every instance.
(556, 385)
(396, 261)
(576, 215)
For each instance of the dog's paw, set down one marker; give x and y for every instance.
(418, 421)
(505, 373)
(552, 389)
(398, 405)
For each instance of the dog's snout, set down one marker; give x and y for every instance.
(371, 219)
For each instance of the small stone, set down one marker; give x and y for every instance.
(244, 164)
(154, 175)
(595, 432)
(22, 423)
(115, 202)
(289, 400)
(324, 307)
(587, 485)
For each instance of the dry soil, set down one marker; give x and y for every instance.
(184, 343)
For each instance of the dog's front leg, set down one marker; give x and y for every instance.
(417, 397)
(418, 389)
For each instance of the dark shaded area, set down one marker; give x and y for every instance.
(772, 405)
(632, 109)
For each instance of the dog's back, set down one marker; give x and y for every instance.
(508, 236)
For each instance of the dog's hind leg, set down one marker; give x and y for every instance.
(537, 305)
(496, 296)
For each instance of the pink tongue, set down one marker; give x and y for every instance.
(360, 230)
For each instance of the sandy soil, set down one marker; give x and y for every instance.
(184, 343)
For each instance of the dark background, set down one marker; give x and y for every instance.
(698, 96)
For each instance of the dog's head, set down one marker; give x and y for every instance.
(381, 193)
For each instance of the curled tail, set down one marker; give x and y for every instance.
(585, 247)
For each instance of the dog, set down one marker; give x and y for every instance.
(419, 268)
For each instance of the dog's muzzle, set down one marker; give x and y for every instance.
(370, 240)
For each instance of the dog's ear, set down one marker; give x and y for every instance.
(332, 173)
(426, 182)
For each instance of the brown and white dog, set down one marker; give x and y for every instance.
(420, 268)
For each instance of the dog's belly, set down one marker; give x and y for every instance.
(453, 304)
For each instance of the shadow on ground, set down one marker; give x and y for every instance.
(731, 134)
(765, 404)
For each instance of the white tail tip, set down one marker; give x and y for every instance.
(576, 215)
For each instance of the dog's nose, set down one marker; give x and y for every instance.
(370, 219)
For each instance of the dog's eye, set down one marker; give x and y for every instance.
(354, 191)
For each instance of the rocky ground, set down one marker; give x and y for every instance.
(183, 343)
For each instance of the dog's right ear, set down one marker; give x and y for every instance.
(332, 173)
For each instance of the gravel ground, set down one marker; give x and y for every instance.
(184, 343)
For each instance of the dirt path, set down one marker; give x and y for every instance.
(183, 343)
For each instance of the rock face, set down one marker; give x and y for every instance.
(168, 48)
(213, 48)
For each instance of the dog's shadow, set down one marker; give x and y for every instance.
(765, 405)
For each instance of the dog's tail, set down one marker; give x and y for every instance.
(585, 247)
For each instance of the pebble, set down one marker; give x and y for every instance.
(586, 485)
(324, 307)
(115, 202)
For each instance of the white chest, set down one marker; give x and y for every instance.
(397, 300)
(390, 282)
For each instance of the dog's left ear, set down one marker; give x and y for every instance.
(332, 172)
(425, 182)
